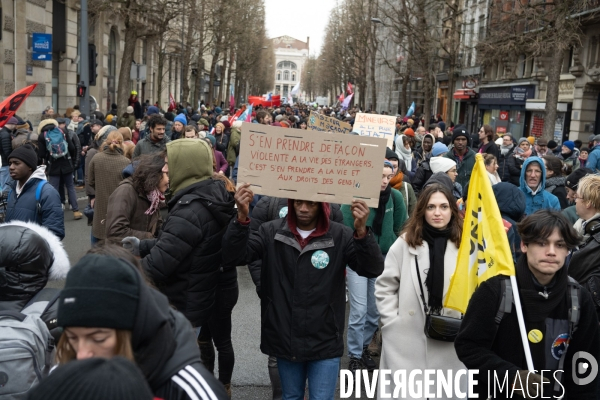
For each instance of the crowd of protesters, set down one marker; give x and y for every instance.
(155, 294)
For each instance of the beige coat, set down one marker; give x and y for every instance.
(398, 294)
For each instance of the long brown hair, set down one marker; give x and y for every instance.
(123, 348)
(114, 141)
(413, 230)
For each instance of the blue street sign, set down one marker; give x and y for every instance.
(42, 42)
(41, 57)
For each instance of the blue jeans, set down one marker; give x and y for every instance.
(4, 178)
(57, 181)
(363, 319)
(322, 378)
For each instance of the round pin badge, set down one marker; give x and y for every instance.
(319, 259)
(283, 212)
(535, 336)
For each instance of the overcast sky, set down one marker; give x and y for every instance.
(299, 19)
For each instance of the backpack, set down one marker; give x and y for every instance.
(574, 314)
(26, 346)
(56, 143)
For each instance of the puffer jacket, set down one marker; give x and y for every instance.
(542, 198)
(183, 262)
(5, 145)
(584, 267)
(126, 120)
(556, 186)
(24, 207)
(511, 202)
(32, 256)
(126, 214)
(302, 281)
(422, 175)
(507, 168)
(271, 208)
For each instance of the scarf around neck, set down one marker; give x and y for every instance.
(155, 197)
(536, 307)
(396, 181)
(384, 197)
(505, 149)
(437, 240)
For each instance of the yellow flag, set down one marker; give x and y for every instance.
(484, 250)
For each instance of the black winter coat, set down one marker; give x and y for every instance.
(303, 303)
(5, 145)
(58, 166)
(265, 211)
(490, 148)
(422, 175)
(183, 262)
(507, 168)
(585, 269)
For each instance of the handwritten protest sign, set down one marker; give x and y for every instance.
(375, 125)
(323, 123)
(316, 166)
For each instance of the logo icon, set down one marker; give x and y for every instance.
(319, 259)
(283, 212)
(560, 345)
(582, 367)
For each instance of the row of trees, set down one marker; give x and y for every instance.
(429, 37)
(224, 39)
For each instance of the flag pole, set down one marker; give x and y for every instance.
(526, 349)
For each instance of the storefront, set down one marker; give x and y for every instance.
(504, 108)
(465, 98)
(537, 107)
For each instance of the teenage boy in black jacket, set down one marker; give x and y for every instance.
(545, 291)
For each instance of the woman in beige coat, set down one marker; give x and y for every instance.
(429, 243)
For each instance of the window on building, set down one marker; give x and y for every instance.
(521, 66)
(593, 52)
(481, 29)
(293, 76)
(285, 90)
(278, 75)
(277, 89)
(286, 75)
(287, 65)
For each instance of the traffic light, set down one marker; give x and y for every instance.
(93, 65)
(81, 90)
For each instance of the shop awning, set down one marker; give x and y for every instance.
(464, 94)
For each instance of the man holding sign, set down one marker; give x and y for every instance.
(302, 285)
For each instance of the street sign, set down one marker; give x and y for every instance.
(41, 57)
(42, 42)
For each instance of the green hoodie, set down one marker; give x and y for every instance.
(190, 161)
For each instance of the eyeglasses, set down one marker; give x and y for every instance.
(576, 196)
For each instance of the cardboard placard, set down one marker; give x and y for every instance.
(375, 125)
(323, 123)
(310, 165)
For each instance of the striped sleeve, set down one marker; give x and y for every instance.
(190, 381)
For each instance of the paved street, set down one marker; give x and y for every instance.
(250, 377)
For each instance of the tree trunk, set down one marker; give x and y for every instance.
(125, 71)
(161, 66)
(373, 52)
(187, 53)
(227, 86)
(198, 86)
(213, 67)
(222, 89)
(552, 93)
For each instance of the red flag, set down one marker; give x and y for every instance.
(11, 104)
(341, 98)
(172, 104)
(234, 117)
(349, 88)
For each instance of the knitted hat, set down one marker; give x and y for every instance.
(212, 140)
(531, 140)
(129, 110)
(569, 144)
(410, 122)
(409, 132)
(109, 118)
(100, 292)
(152, 110)
(96, 122)
(221, 125)
(94, 379)
(523, 139)
(597, 139)
(572, 180)
(438, 148)
(390, 154)
(552, 144)
(181, 118)
(103, 133)
(460, 131)
(13, 121)
(27, 154)
(442, 126)
(441, 164)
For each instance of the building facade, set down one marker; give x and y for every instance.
(290, 56)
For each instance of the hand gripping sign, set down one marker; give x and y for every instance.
(311, 165)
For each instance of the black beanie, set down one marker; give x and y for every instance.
(100, 292)
(390, 154)
(460, 131)
(572, 180)
(25, 153)
(94, 379)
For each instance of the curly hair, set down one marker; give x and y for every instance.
(156, 119)
(148, 173)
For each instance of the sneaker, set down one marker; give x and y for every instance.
(367, 361)
(77, 215)
(63, 206)
(354, 364)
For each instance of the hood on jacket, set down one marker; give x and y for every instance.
(510, 199)
(190, 161)
(31, 255)
(322, 223)
(523, 183)
(39, 173)
(214, 196)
